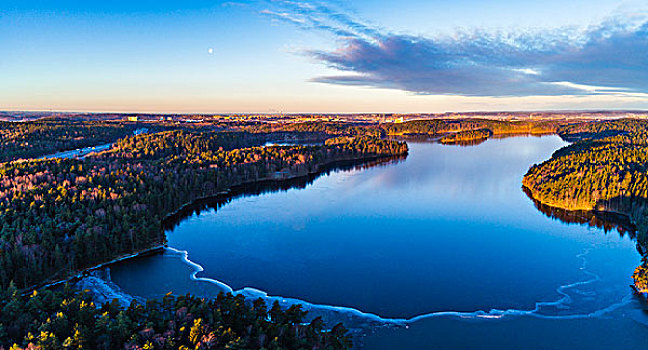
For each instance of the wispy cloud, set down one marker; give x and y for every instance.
(285, 16)
(319, 16)
(607, 58)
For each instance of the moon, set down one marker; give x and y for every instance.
(210, 51)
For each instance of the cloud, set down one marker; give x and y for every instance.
(607, 58)
(285, 16)
(319, 16)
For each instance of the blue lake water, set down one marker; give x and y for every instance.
(446, 234)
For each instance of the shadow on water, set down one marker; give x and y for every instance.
(607, 221)
(466, 143)
(610, 215)
(269, 186)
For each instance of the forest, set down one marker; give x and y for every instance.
(67, 319)
(322, 128)
(47, 136)
(495, 127)
(605, 169)
(466, 136)
(61, 216)
(433, 127)
(64, 215)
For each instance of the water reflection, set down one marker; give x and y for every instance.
(269, 186)
(607, 221)
(449, 226)
(466, 143)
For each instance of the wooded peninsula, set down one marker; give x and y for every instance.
(604, 170)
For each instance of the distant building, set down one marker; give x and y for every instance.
(133, 119)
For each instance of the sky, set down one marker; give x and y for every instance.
(294, 56)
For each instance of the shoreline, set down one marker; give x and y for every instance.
(530, 192)
(599, 213)
(239, 188)
(362, 319)
(479, 314)
(230, 192)
(86, 272)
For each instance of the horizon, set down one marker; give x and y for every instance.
(467, 112)
(300, 57)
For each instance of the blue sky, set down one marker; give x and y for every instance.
(322, 56)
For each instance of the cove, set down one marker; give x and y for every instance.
(446, 232)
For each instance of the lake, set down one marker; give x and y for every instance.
(443, 246)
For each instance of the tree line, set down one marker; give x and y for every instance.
(418, 127)
(605, 169)
(60, 216)
(63, 215)
(66, 319)
(495, 127)
(466, 136)
(38, 138)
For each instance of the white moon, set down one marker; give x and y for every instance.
(210, 51)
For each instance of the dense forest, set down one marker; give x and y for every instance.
(606, 169)
(599, 129)
(64, 215)
(325, 128)
(435, 127)
(495, 127)
(596, 172)
(39, 138)
(466, 136)
(54, 320)
(60, 216)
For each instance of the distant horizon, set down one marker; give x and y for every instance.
(469, 114)
(620, 110)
